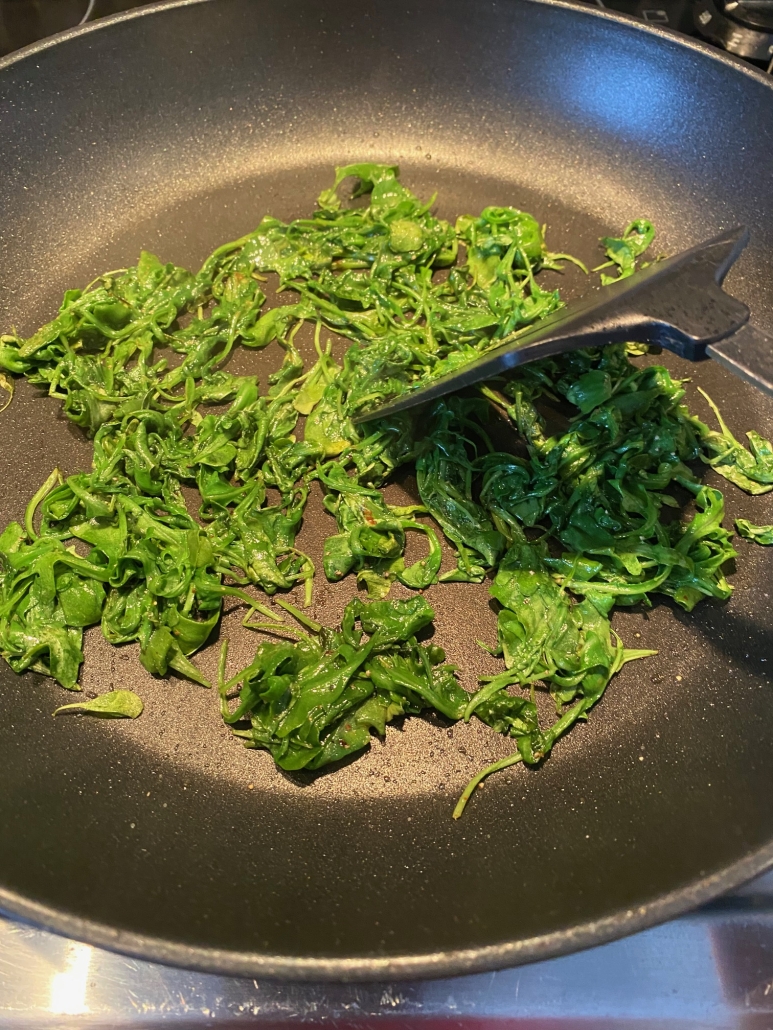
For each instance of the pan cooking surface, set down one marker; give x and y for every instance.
(166, 838)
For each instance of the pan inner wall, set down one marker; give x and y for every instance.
(211, 845)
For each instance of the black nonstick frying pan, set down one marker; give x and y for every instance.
(177, 127)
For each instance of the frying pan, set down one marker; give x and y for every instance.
(177, 127)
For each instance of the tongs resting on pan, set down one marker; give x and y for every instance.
(678, 304)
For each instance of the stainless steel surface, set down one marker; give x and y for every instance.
(711, 969)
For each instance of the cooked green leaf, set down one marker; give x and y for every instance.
(759, 534)
(117, 704)
(6, 384)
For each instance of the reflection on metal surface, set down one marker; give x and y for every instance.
(711, 969)
(68, 989)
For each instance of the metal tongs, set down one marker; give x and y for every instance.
(678, 304)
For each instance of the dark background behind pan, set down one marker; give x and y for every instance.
(178, 128)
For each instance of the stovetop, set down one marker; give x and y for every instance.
(712, 968)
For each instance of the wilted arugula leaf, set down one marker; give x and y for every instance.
(444, 474)
(759, 534)
(590, 390)
(6, 384)
(117, 704)
(751, 470)
(623, 251)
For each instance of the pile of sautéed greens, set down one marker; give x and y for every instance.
(566, 529)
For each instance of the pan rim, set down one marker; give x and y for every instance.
(604, 14)
(368, 968)
(394, 967)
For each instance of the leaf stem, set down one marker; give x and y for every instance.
(503, 763)
(55, 479)
(304, 620)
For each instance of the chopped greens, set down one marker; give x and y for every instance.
(568, 523)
